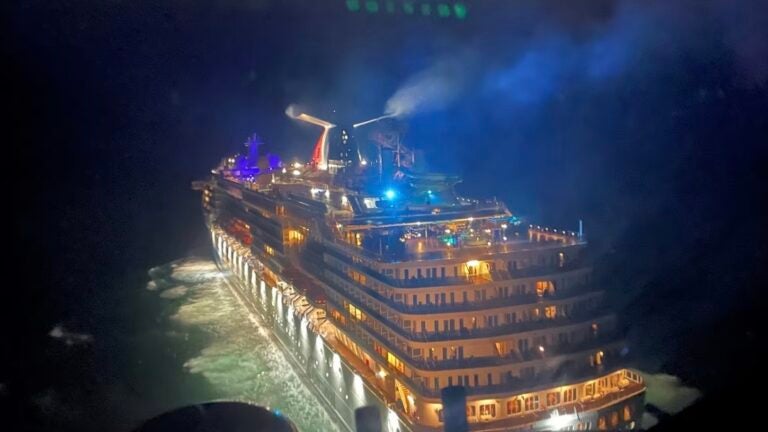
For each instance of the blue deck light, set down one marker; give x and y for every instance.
(390, 194)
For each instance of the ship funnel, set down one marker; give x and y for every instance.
(320, 154)
(315, 121)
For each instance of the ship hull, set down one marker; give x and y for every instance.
(288, 321)
(292, 324)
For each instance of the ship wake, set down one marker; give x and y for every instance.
(240, 362)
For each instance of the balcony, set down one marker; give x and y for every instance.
(469, 306)
(508, 329)
(526, 418)
(423, 282)
(568, 371)
(606, 342)
(354, 327)
(462, 333)
(491, 303)
(470, 251)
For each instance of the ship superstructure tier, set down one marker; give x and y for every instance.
(422, 289)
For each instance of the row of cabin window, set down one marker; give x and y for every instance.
(523, 345)
(488, 321)
(540, 288)
(463, 380)
(532, 403)
(451, 298)
(557, 260)
(548, 312)
(611, 420)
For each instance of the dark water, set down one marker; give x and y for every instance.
(180, 339)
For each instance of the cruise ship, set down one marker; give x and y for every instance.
(383, 286)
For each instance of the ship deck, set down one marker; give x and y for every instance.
(587, 405)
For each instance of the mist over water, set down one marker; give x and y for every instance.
(239, 361)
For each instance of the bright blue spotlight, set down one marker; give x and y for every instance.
(390, 194)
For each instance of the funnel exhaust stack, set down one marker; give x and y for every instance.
(356, 125)
(320, 154)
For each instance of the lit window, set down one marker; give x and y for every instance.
(357, 277)
(514, 406)
(550, 311)
(395, 362)
(472, 267)
(532, 403)
(627, 413)
(295, 236)
(614, 419)
(488, 410)
(471, 411)
(544, 287)
(569, 395)
(355, 313)
(553, 398)
(601, 423)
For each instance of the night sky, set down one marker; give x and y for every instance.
(648, 120)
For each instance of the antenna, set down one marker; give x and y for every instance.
(253, 144)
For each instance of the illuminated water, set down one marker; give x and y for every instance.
(238, 361)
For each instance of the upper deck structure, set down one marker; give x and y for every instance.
(426, 289)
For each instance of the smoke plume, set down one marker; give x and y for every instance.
(556, 57)
(292, 111)
(430, 89)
